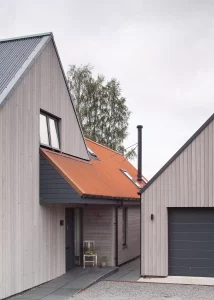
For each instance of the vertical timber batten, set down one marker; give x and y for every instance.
(34, 241)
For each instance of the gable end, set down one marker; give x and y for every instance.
(173, 158)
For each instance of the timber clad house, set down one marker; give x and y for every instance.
(177, 212)
(57, 189)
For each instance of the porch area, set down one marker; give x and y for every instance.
(67, 285)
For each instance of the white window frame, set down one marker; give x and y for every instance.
(56, 121)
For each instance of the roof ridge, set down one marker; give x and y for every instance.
(116, 152)
(26, 37)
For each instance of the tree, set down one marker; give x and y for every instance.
(101, 109)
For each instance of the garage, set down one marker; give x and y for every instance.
(191, 242)
(177, 212)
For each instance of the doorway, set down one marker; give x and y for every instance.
(74, 237)
(69, 238)
(78, 236)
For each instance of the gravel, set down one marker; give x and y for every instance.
(108, 290)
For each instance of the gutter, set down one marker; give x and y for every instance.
(109, 197)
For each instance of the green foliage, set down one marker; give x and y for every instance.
(101, 108)
(87, 251)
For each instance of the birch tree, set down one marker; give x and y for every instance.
(101, 108)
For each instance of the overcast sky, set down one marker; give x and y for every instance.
(162, 52)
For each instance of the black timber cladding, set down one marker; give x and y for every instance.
(191, 241)
(193, 137)
(53, 187)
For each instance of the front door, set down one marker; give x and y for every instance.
(70, 256)
(78, 235)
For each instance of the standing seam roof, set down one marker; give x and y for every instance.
(13, 54)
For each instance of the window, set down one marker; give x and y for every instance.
(49, 131)
(124, 226)
(43, 130)
(132, 179)
(91, 152)
(53, 132)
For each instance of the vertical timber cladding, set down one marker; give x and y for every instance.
(98, 226)
(54, 98)
(132, 249)
(191, 241)
(186, 182)
(34, 241)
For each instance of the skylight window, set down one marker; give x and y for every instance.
(49, 131)
(132, 179)
(91, 152)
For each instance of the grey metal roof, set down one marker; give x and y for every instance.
(12, 56)
(16, 55)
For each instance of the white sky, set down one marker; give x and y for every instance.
(162, 52)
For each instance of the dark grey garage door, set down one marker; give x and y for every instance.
(191, 241)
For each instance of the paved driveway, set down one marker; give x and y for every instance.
(128, 272)
(66, 285)
(122, 285)
(117, 290)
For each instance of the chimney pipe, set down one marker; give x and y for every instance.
(139, 172)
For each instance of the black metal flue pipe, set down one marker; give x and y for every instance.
(139, 169)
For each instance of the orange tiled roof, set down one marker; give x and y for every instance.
(100, 178)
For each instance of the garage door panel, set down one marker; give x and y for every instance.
(192, 227)
(186, 253)
(191, 245)
(191, 262)
(180, 271)
(191, 241)
(192, 215)
(192, 236)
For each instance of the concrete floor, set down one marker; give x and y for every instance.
(127, 272)
(67, 285)
(78, 280)
(179, 280)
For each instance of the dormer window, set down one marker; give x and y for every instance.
(49, 131)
